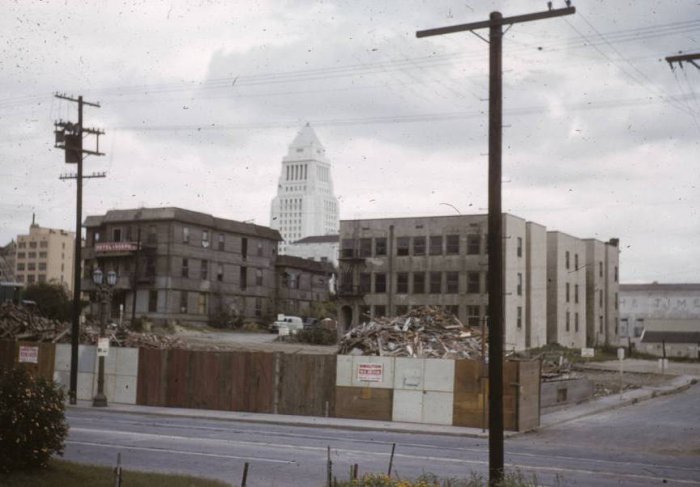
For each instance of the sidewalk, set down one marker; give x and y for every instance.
(550, 419)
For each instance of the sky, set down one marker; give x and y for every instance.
(200, 100)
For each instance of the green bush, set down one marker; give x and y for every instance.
(51, 299)
(314, 336)
(32, 420)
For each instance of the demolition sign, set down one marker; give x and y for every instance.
(370, 372)
(28, 355)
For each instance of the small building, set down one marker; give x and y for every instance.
(321, 248)
(671, 338)
(45, 255)
(300, 284)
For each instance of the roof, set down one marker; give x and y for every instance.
(671, 331)
(305, 137)
(655, 286)
(318, 239)
(304, 264)
(181, 215)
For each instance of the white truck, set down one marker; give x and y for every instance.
(292, 323)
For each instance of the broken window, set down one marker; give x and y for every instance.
(380, 246)
(436, 245)
(419, 283)
(402, 283)
(452, 282)
(473, 283)
(435, 282)
(379, 282)
(402, 246)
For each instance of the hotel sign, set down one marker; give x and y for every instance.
(115, 247)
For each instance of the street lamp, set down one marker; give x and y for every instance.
(104, 291)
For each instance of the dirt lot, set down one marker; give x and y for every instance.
(253, 342)
(607, 382)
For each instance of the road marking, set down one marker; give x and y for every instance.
(180, 452)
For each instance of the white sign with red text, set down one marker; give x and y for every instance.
(28, 355)
(370, 372)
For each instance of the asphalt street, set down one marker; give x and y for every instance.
(656, 442)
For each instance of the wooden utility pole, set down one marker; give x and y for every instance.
(69, 137)
(495, 239)
(681, 58)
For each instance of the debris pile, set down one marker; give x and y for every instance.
(22, 323)
(425, 332)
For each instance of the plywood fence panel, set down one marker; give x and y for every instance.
(364, 403)
(152, 379)
(46, 357)
(306, 384)
(529, 401)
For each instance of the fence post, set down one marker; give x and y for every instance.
(329, 468)
(118, 471)
(391, 459)
(276, 383)
(245, 475)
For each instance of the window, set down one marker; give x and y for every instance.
(473, 316)
(185, 268)
(32, 255)
(258, 307)
(520, 247)
(222, 241)
(220, 273)
(418, 245)
(205, 238)
(575, 293)
(30, 278)
(402, 246)
(244, 248)
(600, 320)
(576, 261)
(42, 266)
(151, 266)
(365, 282)
(566, 259)
(379, 311)
(204, 270)
(185, 235)
(380, 246)
(32, 245)
(21, 255)
(402, 283)
(365, 247)
(452, 282)
(638, 327)
(615, 273)
(600, 269)
(576, 322)
(152, 235)
(435, 282)
(568, 321)
(519, 317)
(520, 284)
(346, 282)
(401, 310)
(616, 302)
(152, 301)
(452, 245)
(348, 245)
(567, 292)
(473, 244)
(380, 282)
(243, 278)
(202, 304)
(258, 277)
(419, 283)
(20, 278)
(31, 266)
(260, 249)
(473, 283)
(116, 235)
(436, 245)
(43, 244)
(43, 255)
(600, 297)
(22, 245)
(20, 266)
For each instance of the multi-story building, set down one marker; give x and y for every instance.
(184, 266)
(602, 292)
(7, 262)
(305, 204)
(388, 266)
(300, 284)
(45, 255)
(666, 306)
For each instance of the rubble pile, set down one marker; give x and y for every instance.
(21, 323)
(424, 332)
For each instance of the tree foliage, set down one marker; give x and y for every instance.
(32, 420)
(51, 299)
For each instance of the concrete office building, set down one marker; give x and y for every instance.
(8, 253)
(390, 265)
(300, 284)
(45, 255)
(305, 204)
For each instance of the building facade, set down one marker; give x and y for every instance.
(8, 253)
(300, 284)
(388, 266)
(45, 255)
(602, 292)
(660, 307)
(305, 204)
(183, 266)
(321, 248)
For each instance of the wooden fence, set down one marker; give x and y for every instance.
(44, 353)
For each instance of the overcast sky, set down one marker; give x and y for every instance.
(201, 99)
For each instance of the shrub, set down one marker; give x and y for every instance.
(314, 336)
(32, 420)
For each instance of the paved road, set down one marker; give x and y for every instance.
(640, 445)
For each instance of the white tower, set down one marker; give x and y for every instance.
(305, 204)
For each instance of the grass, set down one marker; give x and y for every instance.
(69, 474)
(511, 479)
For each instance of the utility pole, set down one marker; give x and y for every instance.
(688, 58)
(495, 239)
(69, 137)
